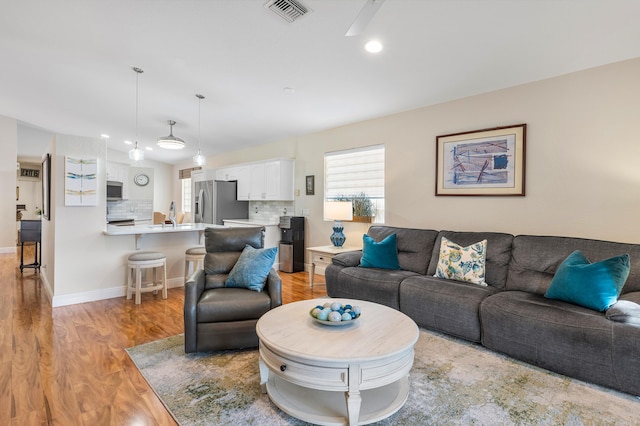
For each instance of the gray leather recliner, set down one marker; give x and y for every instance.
(219, 318)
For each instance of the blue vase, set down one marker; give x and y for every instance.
(338, 238)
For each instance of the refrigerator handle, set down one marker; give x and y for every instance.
(202, 205)
(199, 205)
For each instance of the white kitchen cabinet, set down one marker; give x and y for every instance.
(270, 180)
(203, 175)
(261, 181)
(119, 172)
(278, 180)
(231, 173)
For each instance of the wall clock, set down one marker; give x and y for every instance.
(141, 179)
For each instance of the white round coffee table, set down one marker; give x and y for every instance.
(357, 373)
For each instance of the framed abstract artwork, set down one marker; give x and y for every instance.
(486, 162)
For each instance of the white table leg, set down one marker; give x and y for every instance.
(354, 400)
(312, 271)
(264, 374)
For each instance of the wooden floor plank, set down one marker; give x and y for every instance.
(68, 365)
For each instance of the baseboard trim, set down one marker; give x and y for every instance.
(7, 250)
(102, 294)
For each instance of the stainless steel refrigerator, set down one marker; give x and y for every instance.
(215, 200)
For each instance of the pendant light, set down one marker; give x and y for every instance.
(199, 159)
(136, 154)
(171, 142)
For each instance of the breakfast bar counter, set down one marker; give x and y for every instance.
(141, 230)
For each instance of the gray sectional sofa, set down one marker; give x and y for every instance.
(510, 314)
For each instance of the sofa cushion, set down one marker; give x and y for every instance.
(415, 246)
(231, 304)
(592, 285)
(451, 307)
(252, 268)
(370, 284)
(382, 254)
(559, 336)
(537, 258)
(498, 253)
(462, 263)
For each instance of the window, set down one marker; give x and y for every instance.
(357, 175)
(186, 195)
(185, 180)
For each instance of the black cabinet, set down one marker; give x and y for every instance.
(30, 232)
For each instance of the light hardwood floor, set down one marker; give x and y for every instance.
(67, 366)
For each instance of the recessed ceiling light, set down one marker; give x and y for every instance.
(149, 148)
(128, 142)
(373, 46)
(104, 136)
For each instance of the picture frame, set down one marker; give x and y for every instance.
(46, 187)
(487, 162)
(310, 184)
(80, 181)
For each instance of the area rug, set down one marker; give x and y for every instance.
(452, 382)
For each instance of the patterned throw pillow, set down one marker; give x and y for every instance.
(462, 263)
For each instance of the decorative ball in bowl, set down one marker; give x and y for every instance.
(335, 313)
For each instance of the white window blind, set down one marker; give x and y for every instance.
(186, 195)
(356, 171)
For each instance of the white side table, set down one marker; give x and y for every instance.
(322, 255)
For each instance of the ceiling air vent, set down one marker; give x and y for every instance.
(289, 10)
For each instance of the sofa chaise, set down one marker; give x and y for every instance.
(511, 313)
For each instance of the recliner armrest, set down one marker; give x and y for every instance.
(274, 288)
(193, 289)
(348, 259)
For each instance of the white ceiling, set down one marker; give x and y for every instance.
(66, 64)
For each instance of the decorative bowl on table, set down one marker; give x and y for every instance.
(335, 313)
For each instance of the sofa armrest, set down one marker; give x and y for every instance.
(624, 311)
(348, 259)
(193, 289)
(274, 288)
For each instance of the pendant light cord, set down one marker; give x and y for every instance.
(138, 72)
(200, 98)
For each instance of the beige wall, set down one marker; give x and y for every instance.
(583, 152)
(8, 144)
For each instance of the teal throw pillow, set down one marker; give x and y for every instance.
(383, 255)
(252, 269)
(592, 285)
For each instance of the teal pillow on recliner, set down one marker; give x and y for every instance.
(252, 269)
(592, 285)
(382, 255)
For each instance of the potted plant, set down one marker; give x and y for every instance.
(363, 208)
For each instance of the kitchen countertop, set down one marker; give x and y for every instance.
(157, 229)
(141, 230)
(256, 222)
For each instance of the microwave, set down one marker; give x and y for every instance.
(114, 190)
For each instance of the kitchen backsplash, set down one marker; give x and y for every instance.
(130, 209)
(270, 210)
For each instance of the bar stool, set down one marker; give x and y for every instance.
(194, 256)
(143, 260)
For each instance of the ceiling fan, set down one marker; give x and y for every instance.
(367, 13)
